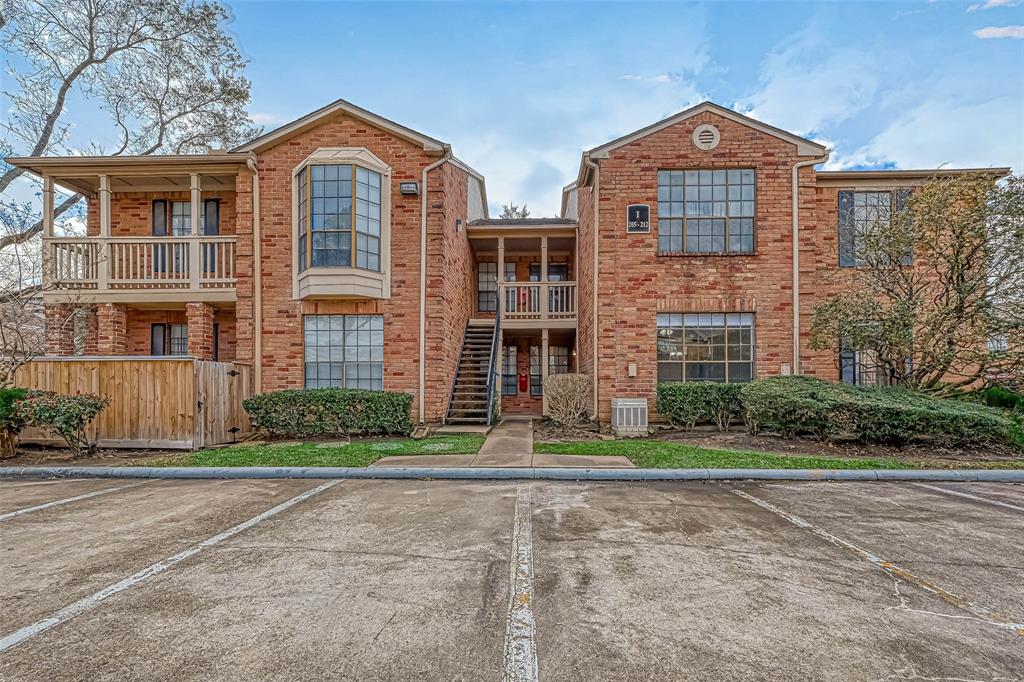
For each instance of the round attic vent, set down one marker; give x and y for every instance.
(706, 137)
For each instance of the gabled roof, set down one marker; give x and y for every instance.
(804, 146)
(310, 120)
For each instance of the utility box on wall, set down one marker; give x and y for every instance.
(629, 416)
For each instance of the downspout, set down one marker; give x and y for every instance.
(423, 278)
(796, 255)
(597, 231)
(257, 283)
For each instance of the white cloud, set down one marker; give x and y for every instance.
(947, 131)
(264, 118)
(808, 83)
(631, 77)
(668, 77)
(992, 4)
(1000, 32)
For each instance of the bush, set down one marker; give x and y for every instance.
(10, 420)
(689, 403)
(568, 398)
(67, 416)
(1005, 398)
(802, 406)
(302, 413)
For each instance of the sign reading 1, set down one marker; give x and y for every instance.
(638, 218)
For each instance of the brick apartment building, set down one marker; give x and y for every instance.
(344, 249)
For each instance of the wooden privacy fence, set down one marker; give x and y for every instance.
(172, 402)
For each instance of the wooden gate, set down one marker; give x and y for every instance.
(178, 403)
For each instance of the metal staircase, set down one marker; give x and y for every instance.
(474, 384)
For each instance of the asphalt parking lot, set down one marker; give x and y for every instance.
(458, 580)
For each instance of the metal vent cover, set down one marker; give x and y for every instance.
(629, 415)
(706, 137)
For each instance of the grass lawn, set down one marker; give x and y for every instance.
(655, 454)
(358, 453)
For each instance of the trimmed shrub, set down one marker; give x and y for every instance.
(301, 413)
(568, 398)
(1007, 399)
(803, 406)
(11, 422)
(67, 416)
(687, 404)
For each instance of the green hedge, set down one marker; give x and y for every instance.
(330, 411)
(694, 402)
(10, 419)
(1008, 399)
(67, 416)
(802, 406)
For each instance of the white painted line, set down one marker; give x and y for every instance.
(16, 483)
(87, 603)
(67, 500)
(982, 613)
(520, 663)
(970, 497)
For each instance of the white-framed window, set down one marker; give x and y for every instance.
(705, 347)
(339, 216)
(344, 350)
(706, 211)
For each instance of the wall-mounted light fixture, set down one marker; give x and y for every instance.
(458, 224)
(409, 188)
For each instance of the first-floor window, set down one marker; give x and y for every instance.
(345, 351)
(169, 339)
(860, 368)
(509, 372)
(705, 347)
(558, 363)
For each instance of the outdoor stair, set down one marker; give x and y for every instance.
(468, 402)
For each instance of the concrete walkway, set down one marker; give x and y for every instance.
(508, 445)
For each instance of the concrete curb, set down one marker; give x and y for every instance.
(501, 474)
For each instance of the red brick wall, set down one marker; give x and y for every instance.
(282, 315)
(635, 283)
(585, 286)
(140, 323)
(131, 213)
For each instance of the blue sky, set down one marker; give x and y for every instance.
(520, 89)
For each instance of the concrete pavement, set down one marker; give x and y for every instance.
(371, 580)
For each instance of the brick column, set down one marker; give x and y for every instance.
(59, 328)
(200, 330)
(91, 331)
(111, 329)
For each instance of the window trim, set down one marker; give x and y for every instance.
(166, 337)
(344, 362)
(702, 254)
(847, 255)
(350, 281)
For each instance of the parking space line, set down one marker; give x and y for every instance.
(982, 613)
(15, 483)
(87, 603)
(520, 663)
(67, 500)
(968, 496)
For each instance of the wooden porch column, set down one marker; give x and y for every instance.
(194, 264)
(544, 370)
(545, 299)
(501, 277)
(49, 273)
(103, 266)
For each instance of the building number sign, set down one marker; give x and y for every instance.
(638, 218)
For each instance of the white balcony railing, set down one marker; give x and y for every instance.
(140, 263)
(538, 300)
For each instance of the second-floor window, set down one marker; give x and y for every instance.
(861, 213)
(706, 211)
(339, 217)
(174, 218)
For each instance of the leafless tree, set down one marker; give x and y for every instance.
(166, 72)
(954, 318)
(513, 212)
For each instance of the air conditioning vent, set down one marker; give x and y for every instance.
(706, 137)
(629, 416)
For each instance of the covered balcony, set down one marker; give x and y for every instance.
(160, 229)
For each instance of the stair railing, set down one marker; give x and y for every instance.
(455, 376)
(492, 369)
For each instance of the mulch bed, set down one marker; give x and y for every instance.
(29, 456)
